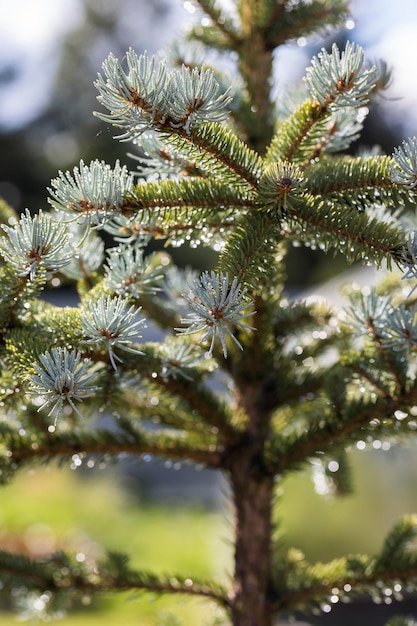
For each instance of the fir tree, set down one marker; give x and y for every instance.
(219, 165)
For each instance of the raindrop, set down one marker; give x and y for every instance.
(333, 466)
(189, 7)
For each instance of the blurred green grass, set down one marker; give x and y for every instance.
(49, 509)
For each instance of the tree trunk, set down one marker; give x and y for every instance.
(253, 496)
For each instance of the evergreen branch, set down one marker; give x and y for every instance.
(341, 78)
(216, 148)
(157, 309)
(60, 573)
(335, 81)
(397, 543)
(148, 97)
(294, 139)
(356, 235)
(214, 37)
(15, 291)
(169, 413)
(300, 316)
(191, 192)
(358, 418)
(281, 24)
(111, 444)
(388, 372)
(350, 576)
(175, 224)
(207, 404)
(220, 23)
(374, 378)
(250, 252)
(356, 182)
(303, 585)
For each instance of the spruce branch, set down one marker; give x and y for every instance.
(251, 249)
(35, 242)
(197, 193)
(404, 167)
(355, 235)
(217, 307)
(129, 273)
(17, 292)
(148, 97)
(61, 377)
(185, 386)
(281, 186)
(359, 418)
(335, 82)
(282, 22)
(88, 255)
(350, 576)
(218, 149)
(295, 140)
(221, 23)
(92, 192)
(357, 182)
(60, 572)
(20, 449)
(111, 323)
(340, 78)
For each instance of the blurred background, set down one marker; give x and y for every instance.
(50, 54)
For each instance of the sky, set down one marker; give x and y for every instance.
(29, 33)
(388, 29)
(30, 30)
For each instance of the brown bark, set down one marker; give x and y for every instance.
(253, 491)
(253, 559)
